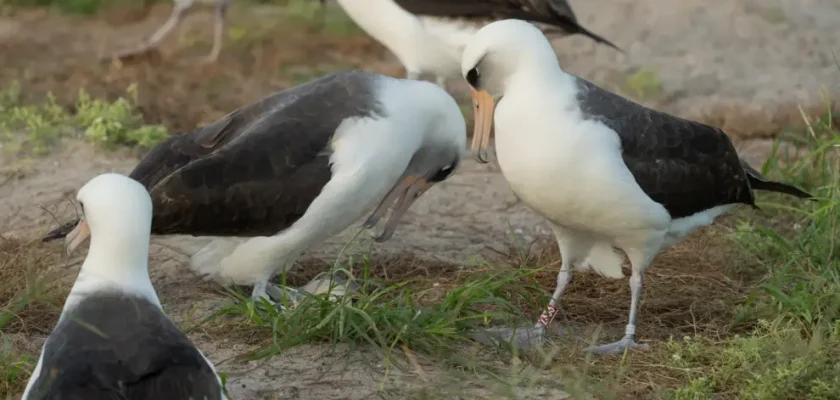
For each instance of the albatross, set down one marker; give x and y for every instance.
(428, 36)
(113, 339)
(605, 172)
(299, 166)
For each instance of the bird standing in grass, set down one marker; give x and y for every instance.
(299, 166)
(429, 36)
(604, 171)
(113, 340)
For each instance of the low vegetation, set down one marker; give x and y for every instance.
(791, 346)
(34, 129)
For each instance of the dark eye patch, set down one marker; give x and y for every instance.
(443, 173)
(472, 77)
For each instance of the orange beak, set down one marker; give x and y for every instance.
(78, 235)
(483, 109)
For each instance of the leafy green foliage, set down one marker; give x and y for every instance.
(34, 129)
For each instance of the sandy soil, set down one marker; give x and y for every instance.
(742, 65)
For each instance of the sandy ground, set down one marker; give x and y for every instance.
(741, 64)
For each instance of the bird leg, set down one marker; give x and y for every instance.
(173, 21)
(259, 292)
(563, 279)
(218, 33)
(629, 339)
(573, 247)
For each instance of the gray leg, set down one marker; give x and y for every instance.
(574, 247)
(563, 279)
(640, 262)
(259, 292)
(174, 20)
(218, 33)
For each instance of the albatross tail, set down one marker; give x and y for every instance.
(61, 231)
(554, 32)
(759, 182)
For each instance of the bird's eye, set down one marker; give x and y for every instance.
(443, 173)
(472, 77)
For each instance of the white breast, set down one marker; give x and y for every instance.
(568, 169)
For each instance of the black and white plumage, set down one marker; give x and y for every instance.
(429, 36)
(606, 172)
(112, 340)
(299, 166)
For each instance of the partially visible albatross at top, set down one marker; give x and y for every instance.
(112, 340)
(299, 166)
(604, 171)
(428, 36)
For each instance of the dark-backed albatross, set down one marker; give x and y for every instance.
(299, 166)
(604, 171)
(112, 339)
(428, 36)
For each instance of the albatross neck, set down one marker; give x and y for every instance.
(119, 261)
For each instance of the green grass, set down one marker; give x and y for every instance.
(793, 351)
(389, 314)
(30, 300)
(35, 129)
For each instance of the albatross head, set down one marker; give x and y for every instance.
(443, 134)
(498, 53)
(117, 215)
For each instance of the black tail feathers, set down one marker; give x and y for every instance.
(759, 182)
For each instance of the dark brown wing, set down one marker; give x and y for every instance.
(556, 13)
(684, 165)
(256, 171)
(114, 346)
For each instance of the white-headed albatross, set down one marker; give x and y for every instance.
(112, 339)
(604, 171)
(428, 36)
(301, 165)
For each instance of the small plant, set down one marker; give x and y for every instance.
(34, 129)
(117, 123)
